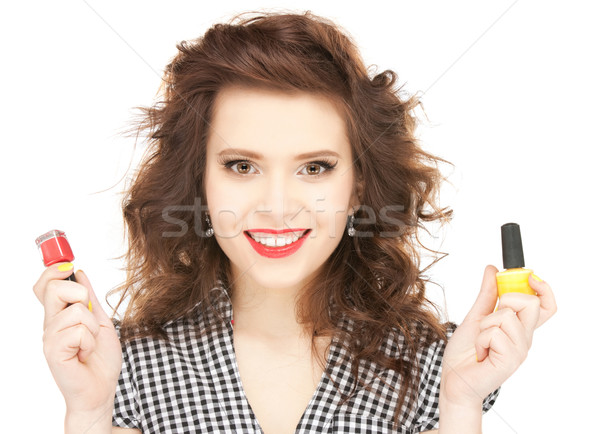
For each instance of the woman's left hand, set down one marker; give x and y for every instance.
(490, 345)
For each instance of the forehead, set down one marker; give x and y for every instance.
(267, 120)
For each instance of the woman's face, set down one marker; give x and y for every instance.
(279, 184)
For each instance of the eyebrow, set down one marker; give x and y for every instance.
(258, 156)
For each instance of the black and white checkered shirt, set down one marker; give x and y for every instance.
(192, 385)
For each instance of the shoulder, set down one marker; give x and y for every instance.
(190, 337)
(202, 318)
(417, 343)
(425, 346)
(417, 355)
(430, 353)
(429, 360)
(184, 361)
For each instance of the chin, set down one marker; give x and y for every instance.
(281, 280)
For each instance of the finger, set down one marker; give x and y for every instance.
(76, 341)
(50, 273)
(481, 352)
(59, 294)
(488, 295)
(97, 310)
(495, 319)
(527, 308)
(548, 305)
(500, 349)
(87, 345)
(484, 342)
(74, 315)
(507, 320)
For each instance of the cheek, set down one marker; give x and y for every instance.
(332, 210)
(226, 207)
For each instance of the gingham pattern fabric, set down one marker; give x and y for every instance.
(191, 384)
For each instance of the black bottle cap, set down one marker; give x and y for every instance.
(512, 246)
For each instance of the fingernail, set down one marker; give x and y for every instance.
(90, 306)
(476, 358)
(536, 277)
(65, 267)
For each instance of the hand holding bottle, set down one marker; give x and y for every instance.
(490, 344)
(81, 346)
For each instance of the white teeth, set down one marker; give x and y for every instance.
(275, 241)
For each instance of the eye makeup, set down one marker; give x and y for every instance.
(229, 163)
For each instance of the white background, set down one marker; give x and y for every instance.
(510, 90)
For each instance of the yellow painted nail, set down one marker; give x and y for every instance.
(536, 277)
(65, 267)
(90, 306)
(476, 358)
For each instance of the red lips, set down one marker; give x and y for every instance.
(275, 251)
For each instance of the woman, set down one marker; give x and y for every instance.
(273, 269)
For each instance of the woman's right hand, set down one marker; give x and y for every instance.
(81, 347)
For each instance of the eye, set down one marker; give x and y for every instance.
(243, 167)
(316, 168)
(240, 167)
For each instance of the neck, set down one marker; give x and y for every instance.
(266, 312)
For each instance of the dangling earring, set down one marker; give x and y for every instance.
(210, 231)
(351, 230)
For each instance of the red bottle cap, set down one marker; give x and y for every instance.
(54, 247)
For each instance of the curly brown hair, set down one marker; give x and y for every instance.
(373, 280)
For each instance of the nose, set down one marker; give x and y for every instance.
(280, 202)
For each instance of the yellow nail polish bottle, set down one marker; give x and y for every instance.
(516, 277)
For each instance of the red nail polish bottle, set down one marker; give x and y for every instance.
(54, 247)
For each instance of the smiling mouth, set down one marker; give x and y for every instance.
(275, 239)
